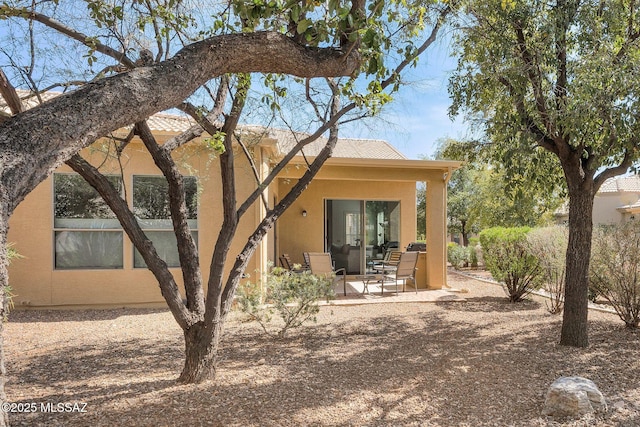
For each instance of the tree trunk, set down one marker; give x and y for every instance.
(4, 282)
(201, 350)
(464, 233)
(574, 323)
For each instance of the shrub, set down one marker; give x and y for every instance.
(293, 296)
(507, 257)
(457, 255)
(615, 269)
(549, 246)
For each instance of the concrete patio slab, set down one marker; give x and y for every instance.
(355, 295)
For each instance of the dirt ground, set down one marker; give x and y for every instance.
(483, 362)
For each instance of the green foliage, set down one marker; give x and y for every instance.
(293, 296)
(216, 142)
(457, 255)
(507, 257)
(549, 246)
(615, 269)
(484, 193)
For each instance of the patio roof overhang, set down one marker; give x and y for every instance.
(358, 169)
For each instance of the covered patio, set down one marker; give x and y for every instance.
(358, 208)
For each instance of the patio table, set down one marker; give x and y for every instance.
(368, 278)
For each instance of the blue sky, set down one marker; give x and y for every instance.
(418, 117)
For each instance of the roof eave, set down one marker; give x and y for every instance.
(444, 165)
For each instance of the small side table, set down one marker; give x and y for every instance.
(368, 278)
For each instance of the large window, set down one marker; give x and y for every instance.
(151, 207)
(87, 234)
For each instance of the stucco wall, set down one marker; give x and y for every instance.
(298, 234)
(604, 207)
(34, 280)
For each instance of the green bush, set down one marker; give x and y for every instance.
(293, 296)
(549, 246)
(614, 271)
(457, 255)
(507, 257)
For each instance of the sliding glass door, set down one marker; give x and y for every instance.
(360, 231)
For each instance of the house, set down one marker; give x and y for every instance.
(617, 201)
(362, 202)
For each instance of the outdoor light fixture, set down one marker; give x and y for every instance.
(304, 213)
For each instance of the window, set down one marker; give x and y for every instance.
(151, 207)
(87, 234)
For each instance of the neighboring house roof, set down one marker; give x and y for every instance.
(621, 184)
(285, 139)
(615, 185)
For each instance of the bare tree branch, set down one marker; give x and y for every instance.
(130, 225)
(10, 95)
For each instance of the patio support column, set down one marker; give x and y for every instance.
(262, 253)
(436, 238)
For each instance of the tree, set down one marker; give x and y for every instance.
(558, 77)
(358, 37)
(487, 193)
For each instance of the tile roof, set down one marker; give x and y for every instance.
(621, 184)
(285, 139)
(345, 147)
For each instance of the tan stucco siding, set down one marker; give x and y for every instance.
(605, 207)
(37, 283)
(298, 234)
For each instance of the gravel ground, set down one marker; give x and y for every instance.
(483, 362)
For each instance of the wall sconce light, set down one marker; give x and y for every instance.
(304, 213)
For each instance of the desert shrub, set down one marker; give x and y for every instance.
(457, 255)
(615, 269)
(507, 257)
(293, 296)
(549, 246)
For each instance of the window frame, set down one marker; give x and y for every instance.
(59, 229)
(193, 223)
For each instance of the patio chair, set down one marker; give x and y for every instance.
(406, 269)
(287, 264)
(388, 263)
(320, 264)
(305, 255)
(285, 261)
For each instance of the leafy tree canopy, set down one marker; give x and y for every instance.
(560, 76)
